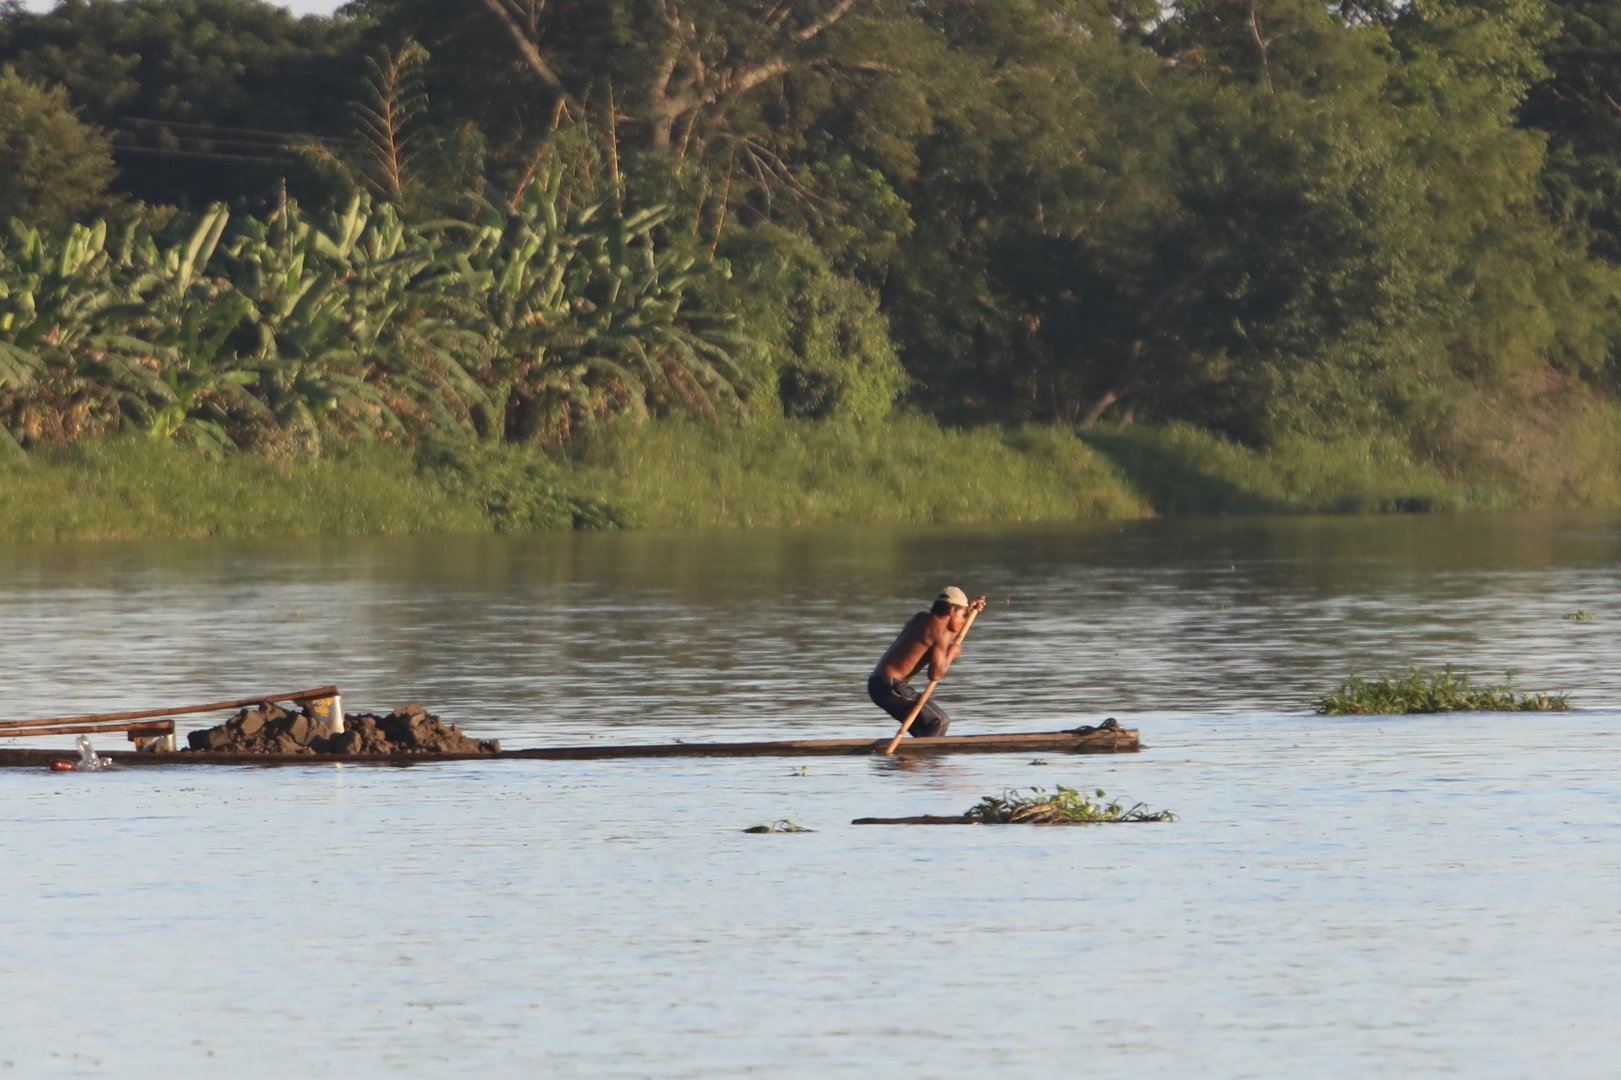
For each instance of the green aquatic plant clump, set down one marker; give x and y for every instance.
(1419, 692)
(1065, 806)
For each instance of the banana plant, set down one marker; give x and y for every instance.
(584, 310)
(200, 408)
(60, 308)
(356, 322)
(202, 382)
(54, 294)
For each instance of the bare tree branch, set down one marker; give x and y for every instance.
(737, 84)
(1261, 45)
(836, 13)
(741, 82)
(528, 48)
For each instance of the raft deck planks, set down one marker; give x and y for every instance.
(1104, 739)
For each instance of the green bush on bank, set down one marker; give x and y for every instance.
(517, 488)
(831, 354)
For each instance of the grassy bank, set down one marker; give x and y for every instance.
(139, 488)
(687, 474)
(905, 472)
(1182, 470)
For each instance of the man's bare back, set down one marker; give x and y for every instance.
(915, 646)
(929, 639)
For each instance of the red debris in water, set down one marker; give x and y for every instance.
(63, 766)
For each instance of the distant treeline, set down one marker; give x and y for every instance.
(501, 220)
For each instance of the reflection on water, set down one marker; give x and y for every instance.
(536, 637)
(1339, 896)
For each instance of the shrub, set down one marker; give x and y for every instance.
(828, 348)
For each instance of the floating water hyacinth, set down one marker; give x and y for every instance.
(1063, 806)
(1432, 693)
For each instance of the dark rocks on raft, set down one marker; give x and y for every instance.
(271, 729)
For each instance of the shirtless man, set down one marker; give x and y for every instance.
(929, 639)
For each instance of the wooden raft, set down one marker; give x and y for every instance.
(1107, 738)
(1104, 739)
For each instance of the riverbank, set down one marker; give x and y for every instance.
(684, 474)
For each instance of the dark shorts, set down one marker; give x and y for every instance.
(897, 698)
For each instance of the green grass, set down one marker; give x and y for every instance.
(1065, 806)
(139, 488)
(907, 471)
(1181, 469)
(1578, 464)
(1444, 691)
(671, 474)
(688, 474)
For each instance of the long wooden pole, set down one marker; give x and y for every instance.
(923, 698)
(139, 727)
(142, 714)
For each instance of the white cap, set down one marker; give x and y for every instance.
(953, 595)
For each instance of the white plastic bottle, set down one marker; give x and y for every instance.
(88, 761)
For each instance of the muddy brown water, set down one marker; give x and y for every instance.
(1418, 895)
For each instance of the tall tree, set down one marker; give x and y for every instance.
(1520, 296)
(1214, 232)
(54, 168)
(677, 71)
(1579, 105)
(1043, 139)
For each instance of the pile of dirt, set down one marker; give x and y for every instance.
(271, 729)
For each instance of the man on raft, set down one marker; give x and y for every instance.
(929, 639)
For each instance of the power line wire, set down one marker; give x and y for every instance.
(124, 138)
(157, 151)
(280, 135)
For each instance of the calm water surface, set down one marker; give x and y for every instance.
(1419, 896)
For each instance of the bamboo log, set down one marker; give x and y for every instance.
(142, 714)
(137, 727)
(963, 819)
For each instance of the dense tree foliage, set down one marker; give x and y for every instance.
(204, 99)
(1260, 216)
(1579, 105)
(53, 168)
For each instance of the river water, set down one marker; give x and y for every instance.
(1426, 895)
